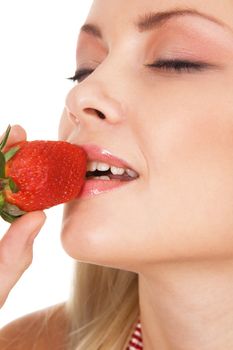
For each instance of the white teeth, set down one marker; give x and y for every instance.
(131, 173)
(103, 166)
(95, 165)
(91, 166)
(117, 171)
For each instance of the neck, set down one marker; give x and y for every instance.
(187, 306)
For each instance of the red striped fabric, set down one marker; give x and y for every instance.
(136, 339)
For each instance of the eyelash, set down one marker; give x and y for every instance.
(81, 73)
(178, 66)
(167, 65)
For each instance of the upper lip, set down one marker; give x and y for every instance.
(99, 154)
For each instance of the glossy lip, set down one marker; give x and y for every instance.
(94, 152)
(93, 187)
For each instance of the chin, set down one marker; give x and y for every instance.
(92, 238)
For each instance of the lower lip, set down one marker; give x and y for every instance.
(94, 187)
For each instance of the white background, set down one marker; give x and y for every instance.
(37, 54)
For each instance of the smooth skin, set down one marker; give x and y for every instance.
(173, 225)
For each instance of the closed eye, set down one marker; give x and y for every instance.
(179, 66)
(81, 74)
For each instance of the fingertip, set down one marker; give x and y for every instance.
(37, 215)
(17, 131)
(32, 220)
(17, 134)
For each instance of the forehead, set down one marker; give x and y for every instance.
(114, 15)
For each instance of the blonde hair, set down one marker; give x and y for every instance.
(103, 308)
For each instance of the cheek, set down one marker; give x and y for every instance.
(204, 137)
(191, 181)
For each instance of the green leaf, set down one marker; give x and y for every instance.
(8, 155)
(13, 185)
(13, 210)
(2, 165)
(4, 141)
(7, 217)
(2, 200)
(10, 212)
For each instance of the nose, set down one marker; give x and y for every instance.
(90, 102)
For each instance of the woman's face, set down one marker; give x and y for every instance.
(172, 122)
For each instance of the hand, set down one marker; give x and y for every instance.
(16, 246)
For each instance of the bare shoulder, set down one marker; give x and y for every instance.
(44, 329)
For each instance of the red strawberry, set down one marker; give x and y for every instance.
(36, 175)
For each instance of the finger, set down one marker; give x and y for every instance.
(17, 134)
(16, 250)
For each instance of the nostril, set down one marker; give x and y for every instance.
(100, 114)
(95, 111)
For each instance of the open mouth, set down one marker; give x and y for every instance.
(102, 171)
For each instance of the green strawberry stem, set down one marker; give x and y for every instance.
(13, 185)
(2, 165)
(8, 212)
(7, 217)
(4, 141)
(1, 200)
(13, 210)
(3, 183)
(8, 184)
(8, 155)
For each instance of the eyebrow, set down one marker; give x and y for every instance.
(153, 20)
